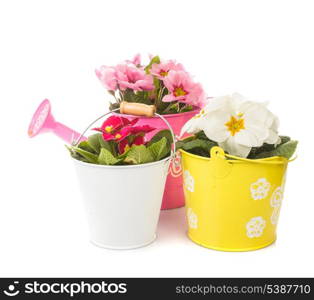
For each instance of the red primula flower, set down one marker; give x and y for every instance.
(112, 125)
(129, 136)
(142, 129)
(123, 132)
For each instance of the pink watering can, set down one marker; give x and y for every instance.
(43, 121)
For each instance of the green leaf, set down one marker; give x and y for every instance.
(180, 144)
(85, 146)
(285, 150)
(172, 108)
(73, 154)
(90, 157)
(94, 142)
(123, 155)
(156, 83)
(255, 151)
(159, 135)
(106, 158)
(159, 149)
(160, 92)
(142, 97)
(284, 139)
(153, 94)
(154, 60)
(129, 95)
(139, 154)
(201, 135)
(258, 151)
(186, 108)
(198, 144)
(108, 145)
(136, 97)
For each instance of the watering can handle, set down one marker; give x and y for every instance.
(135, 109)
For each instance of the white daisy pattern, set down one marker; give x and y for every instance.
(275, 202)
(192, 218)
(276, 197)
(260, 189)
(188, 181)
(255, 227)
(275, 215)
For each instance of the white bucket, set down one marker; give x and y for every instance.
(122, 202)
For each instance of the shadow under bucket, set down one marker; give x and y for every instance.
(122, 202)
(233, 204)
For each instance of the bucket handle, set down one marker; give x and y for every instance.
(135, 109)
(217, 151)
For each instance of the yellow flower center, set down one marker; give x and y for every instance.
(118, 135)
(235, 125)
(179, 91)
(108, 128)
(163, 73)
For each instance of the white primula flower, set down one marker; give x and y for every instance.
(235, 124)
(255, 227)
(194, 124)
(192, 218)
(188, 181)
(276, 197)
(259, 189)
(273, 137)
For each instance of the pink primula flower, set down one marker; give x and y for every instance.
(133, 78)
(125, 76)
(162, 70)
(136, 61)
(183, 89)
(107, 76)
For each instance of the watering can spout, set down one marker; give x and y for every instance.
(43, 121)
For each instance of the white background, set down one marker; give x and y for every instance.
(262, 49)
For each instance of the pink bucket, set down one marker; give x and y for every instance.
(173, 195)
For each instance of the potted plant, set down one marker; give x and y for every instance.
(122, 176)
(234, 166)
(171, 89)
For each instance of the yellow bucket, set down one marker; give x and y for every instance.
(232, 204)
